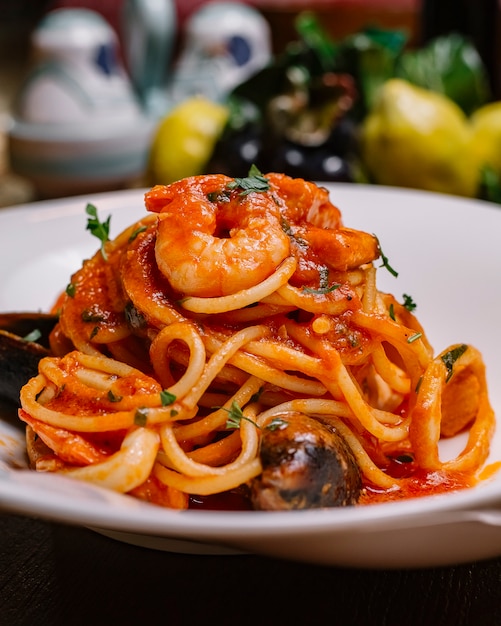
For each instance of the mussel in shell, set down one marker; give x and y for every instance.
(306, 464)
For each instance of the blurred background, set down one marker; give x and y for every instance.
(394, 92)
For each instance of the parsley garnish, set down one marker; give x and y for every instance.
(391, 312)
(236, 416)
(276, 423)
(449, 358)
(112, 397)
(255, 181)
(137, 232)
(90, 316)
(70, 290)
(415, 337)
(321, 290)
(141, 417)
(166, 397)
(33, 336)
(409, 303)
(384, 259)
(99, 229)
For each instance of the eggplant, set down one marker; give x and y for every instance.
(306, 465)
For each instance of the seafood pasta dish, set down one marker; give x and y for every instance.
(232, 350)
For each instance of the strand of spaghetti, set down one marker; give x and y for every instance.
(187, 333)
(285, 358)
(101, 422)
(131, 351)
(245, 297)
(369, 298)
(257, 367)
(393, 375)
(414, 351)
(219, 451)
(182, 463)
(219, 358)
(309, 406)
(126, 469)
(253, 313)
(427, 413)
(218, 418)
(361, 410)
(207, 485)
(368, 468)
(89, 377)
(131, 387)
(333, 303)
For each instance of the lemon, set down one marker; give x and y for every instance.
(184, 139)
(417, 138)
(486, 129)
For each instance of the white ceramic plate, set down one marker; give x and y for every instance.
(448, 255)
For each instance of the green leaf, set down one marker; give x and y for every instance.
(99, 229)
(254, 182)
(166, 397)
(449, 358)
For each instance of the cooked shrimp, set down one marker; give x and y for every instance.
(213, 241)
(314, 220)
(305, 202)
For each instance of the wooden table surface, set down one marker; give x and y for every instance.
(53, 575)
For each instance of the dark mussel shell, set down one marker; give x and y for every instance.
(19, 357)
(306, 465)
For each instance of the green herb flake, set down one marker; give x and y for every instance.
(141, 417)
(414, 338)
(34, 336)
(112, 397)
(409, 303)
(277, 423)
(71, 290)
(133, 317)
(254, 182)
(449, 358)
(391, 312)
(322, 290)
(384, 259)
(167, 398)
(99, 229)
(137, 232)
(90, 316)
(218, 196)
(235, 415)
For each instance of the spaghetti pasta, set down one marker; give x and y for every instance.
(235, 304)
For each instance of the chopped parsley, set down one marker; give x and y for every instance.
(99, 229)
(384, 259)
(236, 416)
(254, 182)
(33, 336)
(415, 337)
(71, 290)
(166, 397)
(321, 290)
(137, 232)
(112, 397)
(141, 417)
(91, 316)
(449, 358)
(409, 303)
